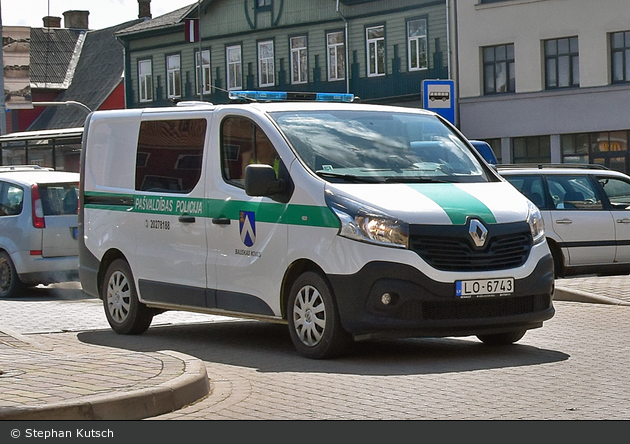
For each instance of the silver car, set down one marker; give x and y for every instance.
(38, 227)
(586, 211)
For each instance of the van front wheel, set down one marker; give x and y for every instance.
(125, 313)
(314, 323)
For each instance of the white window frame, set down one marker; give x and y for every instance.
(145, 80)
(299, 59)
(336, 52)
(375, 50)
(266, 69)
(206, 79)
(234, 63)
(173, 75)
(417, 45)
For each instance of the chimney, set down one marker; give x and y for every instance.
(76, 19)
(144, 9)
(52, 22)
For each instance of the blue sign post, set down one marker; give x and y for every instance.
(439, 96)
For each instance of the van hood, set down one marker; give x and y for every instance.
(440, 203)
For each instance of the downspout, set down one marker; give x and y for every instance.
(346, 48)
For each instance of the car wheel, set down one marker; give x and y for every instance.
(314, 323)
(10, 283)
(507, 338)
(125, 313)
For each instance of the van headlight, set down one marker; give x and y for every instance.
(362, 223)
(536, 224)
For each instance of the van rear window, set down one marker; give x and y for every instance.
(169, 155)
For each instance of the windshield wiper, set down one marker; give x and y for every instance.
(349, 177)
(407, 179)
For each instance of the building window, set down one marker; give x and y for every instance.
(375, 37)
(234, 67)
(265, 64)
(562, 63)
(174, 86)
(574, 147)
(336, 55)
(620, 56)
(534, 149)
(145, 81)
(299, 65)
(417, 44)
(261, 4)
(202, 72)
(498, 69)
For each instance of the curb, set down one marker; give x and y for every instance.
(133, 405)
(565, 294)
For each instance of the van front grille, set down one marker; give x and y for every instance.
(450, 248)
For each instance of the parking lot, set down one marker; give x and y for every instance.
(572, 368)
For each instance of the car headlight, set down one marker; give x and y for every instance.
(362, 223)
(536, 224)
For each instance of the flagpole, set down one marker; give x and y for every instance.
(200, 53)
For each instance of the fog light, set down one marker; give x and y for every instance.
(386, 299)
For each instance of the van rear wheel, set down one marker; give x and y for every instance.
(314, 323)
(507, 338)
(125, 313)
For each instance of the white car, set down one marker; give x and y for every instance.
(38, 227)
(586, 211)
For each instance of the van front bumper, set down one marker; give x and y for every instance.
(421, 306)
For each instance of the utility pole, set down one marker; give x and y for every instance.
(3, 107)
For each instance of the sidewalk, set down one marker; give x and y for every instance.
(56, 379)
(50, 377)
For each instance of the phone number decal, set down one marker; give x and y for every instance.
(157, 224)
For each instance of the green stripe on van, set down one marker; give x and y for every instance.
(272, 212)
(457, 203)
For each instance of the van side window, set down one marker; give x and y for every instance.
(244, 143)
(169, 155)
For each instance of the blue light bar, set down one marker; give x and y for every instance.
(265, 96)
(334, 97)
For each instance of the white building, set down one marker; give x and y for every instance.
(545, 80)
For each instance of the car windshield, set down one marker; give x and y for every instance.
(379, 146)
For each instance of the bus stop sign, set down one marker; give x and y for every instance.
(438, 96)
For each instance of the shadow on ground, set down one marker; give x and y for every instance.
(267, 348)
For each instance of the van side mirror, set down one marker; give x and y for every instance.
(261, 180)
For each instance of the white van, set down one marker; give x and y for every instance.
(346, 221)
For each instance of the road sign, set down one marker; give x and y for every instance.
(438, 96)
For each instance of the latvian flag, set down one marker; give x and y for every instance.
(192, 30)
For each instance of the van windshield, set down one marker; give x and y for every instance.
(379, 146)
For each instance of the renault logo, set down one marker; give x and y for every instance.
(478, 232)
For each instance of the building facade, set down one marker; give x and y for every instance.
(379, 50)
(545, 80)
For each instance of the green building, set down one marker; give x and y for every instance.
(379, 50)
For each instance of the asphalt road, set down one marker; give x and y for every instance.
(575, 367)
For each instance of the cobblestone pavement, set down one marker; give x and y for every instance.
(59, 360)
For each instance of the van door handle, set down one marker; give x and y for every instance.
(564, 221)
(186, 219)
(221, 221)
(625, 220)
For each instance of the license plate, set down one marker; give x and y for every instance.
(484, 287)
